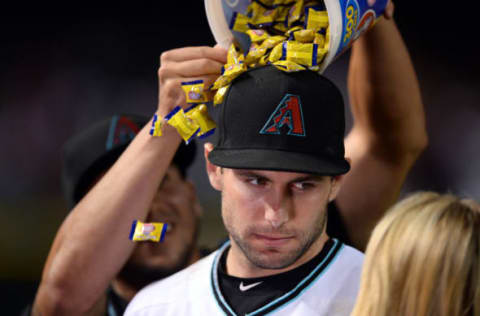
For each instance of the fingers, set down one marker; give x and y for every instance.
(183, 65)
(171, 93)
(388, 14)
(216, 53)
(196, 67)
(390, 8)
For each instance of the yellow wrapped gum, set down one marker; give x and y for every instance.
(257, 35)
(316, 19)
(200, 115)
(261, 15)
(187, 128)
(194, 91)
(304, 36)
(295, 12)
(148, 231)
(234, 56)
(288, 66)
(156, 129)
(276, 52)
(272, 41)
(239, 22)
(319, 40)
(230, 73)
(220, 95)
(255, 52)
(234, 67)
(300, 53)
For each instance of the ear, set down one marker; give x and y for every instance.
(336, 184)
(213, 171)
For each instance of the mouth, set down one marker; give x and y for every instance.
(273, 240)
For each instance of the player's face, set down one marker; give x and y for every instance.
(276, 220)
(175, 203)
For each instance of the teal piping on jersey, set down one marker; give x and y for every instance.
(306, 279)
(216, 260)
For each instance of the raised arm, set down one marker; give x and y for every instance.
(388, 133)
(92, 244)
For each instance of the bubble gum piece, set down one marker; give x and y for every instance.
(187, 128)
(194, 91)
(288, 66)
(272, 41)
(300, 53)
(239, 22)
(290, 31)
(321, 53)
(234, 56)
(319, 40)
(148, 231)
(295, 12)
(254, 54)
(304, 36)
(200, 115)
(157, 123)
(220, 95)
(230, 72)
(276, 52)
(316, 20)
(257, 35)
(263, 60)
(261, 15)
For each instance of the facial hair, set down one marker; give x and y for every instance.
(305, 238)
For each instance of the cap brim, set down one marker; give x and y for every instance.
(277, 160)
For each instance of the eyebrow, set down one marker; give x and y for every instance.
(250, 173)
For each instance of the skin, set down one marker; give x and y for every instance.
(275, 220)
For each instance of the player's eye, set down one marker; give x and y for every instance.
(303, 185)
(257, 181)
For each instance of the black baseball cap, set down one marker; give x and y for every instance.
(274, 120)
(94, 150)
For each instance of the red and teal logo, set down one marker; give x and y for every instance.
(287, 118)
(122, 130)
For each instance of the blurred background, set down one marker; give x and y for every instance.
(64, 65)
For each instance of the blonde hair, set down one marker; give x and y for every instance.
(423, 259)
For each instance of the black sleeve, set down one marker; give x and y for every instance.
(335, 224)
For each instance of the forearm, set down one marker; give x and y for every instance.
(384, 91)
(92, 245)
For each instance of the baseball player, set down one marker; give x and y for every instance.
(87, 156)
(280, 165)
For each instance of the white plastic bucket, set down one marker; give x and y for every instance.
(348, 20)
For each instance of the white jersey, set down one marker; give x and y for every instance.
(330, 289)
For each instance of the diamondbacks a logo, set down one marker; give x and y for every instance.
(287, 117)
(122, 130)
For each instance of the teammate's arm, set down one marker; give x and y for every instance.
(389, 128)
(92, 244)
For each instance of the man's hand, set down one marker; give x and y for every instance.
(187, 64)
(388, 14)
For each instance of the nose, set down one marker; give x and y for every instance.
(277, 209)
